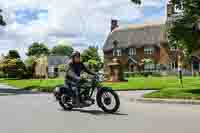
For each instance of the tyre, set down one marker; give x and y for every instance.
(63, 103)
(105, 98)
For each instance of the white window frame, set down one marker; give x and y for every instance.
(51, 69)
(148, 50)
(119, 52)
(149, 66)
(114, 52)
(132, 51)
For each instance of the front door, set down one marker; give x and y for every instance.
(132, 68)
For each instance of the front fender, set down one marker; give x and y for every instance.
(105, 89)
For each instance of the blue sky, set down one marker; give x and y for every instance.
(79, 22)
(24, 16)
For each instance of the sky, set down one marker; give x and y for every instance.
(80, 23)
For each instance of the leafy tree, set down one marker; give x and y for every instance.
(136, 1)
(38, 49)
(14, 68)
(91, 57)
(147, 61)
(30, 65)
(13, 54)
(2, 22)
(61, 68)
(182, 33)
(30, 61)
(62, 50)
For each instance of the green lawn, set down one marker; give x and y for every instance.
(168, 87)
(42, 85)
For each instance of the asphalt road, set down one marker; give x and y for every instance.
(39, 113)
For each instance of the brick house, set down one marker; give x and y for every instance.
(132, 44)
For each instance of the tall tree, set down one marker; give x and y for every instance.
(38, 49)
(91, 57)
(182, 33)
(62, 50)
(13, 54)
(136, 1)
(2, 22)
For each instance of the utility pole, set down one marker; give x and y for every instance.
(180, 68)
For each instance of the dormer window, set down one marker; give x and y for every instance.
(132, 51)
(117, 52)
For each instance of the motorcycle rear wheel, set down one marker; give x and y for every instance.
(64, 105)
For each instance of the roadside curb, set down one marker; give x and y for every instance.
(146, 89)
(168, 101)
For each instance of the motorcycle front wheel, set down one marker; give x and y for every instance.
(108, 101)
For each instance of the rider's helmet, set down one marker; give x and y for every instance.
(75, 53)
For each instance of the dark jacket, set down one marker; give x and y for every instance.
(73, 70)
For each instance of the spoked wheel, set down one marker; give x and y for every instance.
(108, 100)
(64, 103)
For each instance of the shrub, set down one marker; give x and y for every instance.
(2, 75)
(61, 68)
(14, 68)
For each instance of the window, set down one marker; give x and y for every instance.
(117, 52)
(114, 52)
(149, 67)
(148, 50)
(51, 69)
(132, 51)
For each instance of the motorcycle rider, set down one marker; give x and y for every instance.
(73, 71)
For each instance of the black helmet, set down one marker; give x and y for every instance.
(75, 53)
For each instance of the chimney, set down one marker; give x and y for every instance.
(170, 9)
(114, 24)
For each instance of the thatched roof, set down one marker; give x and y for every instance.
(136, 36)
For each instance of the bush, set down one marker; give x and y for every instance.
(142, 74)
(14, 68)
(2, 75)
(61, 68)
(157, 74)
(20, 73)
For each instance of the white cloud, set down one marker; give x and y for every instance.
(82, 22)
(153, 3)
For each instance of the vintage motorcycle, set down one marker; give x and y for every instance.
(106, 98)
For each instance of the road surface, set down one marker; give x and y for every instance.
(25, 112)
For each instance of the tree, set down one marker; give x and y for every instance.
(38, 49)
(30, 65)
(2, 22)
(91, 57)
(136, 1)
(13, 54)
(62, 50)
(13, 68)
(182, 33)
